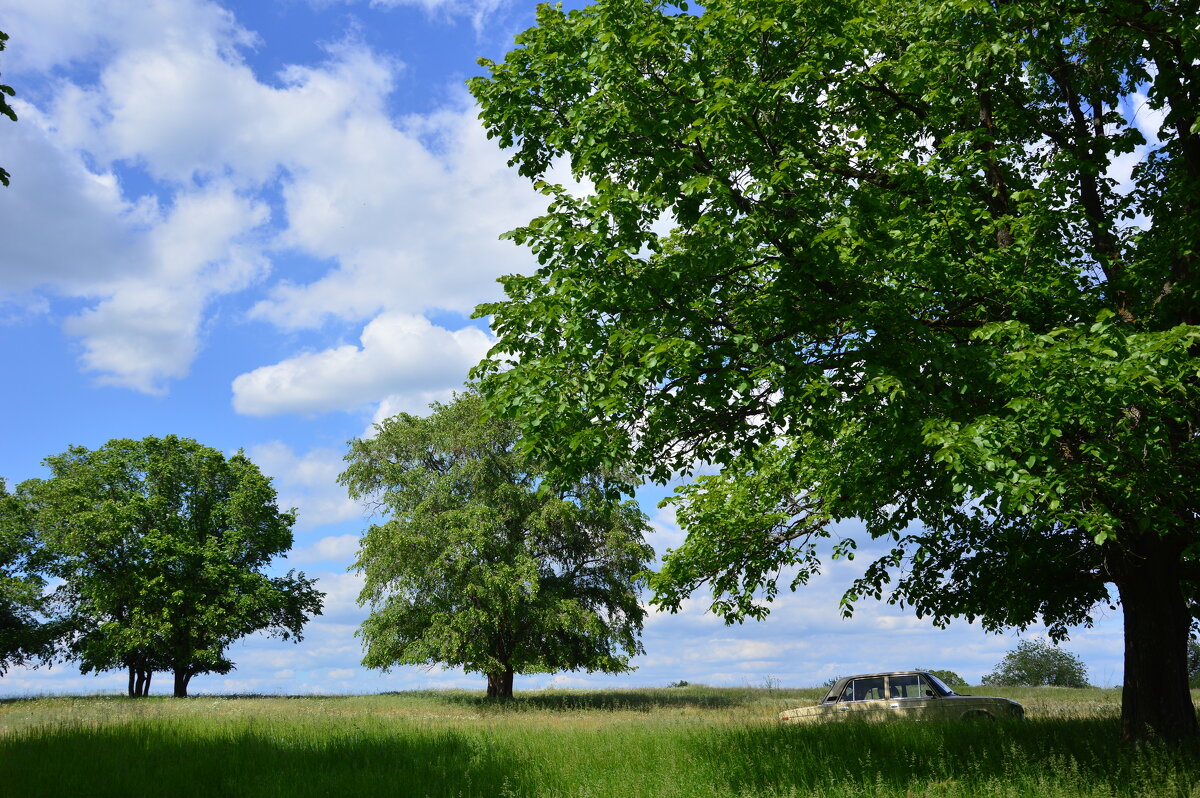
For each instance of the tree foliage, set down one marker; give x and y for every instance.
(1038, 663)
(481, 563)
(877, 260)
(24, 634)
(160, 546)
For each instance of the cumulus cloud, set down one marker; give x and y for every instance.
(146, 329)
(55, 33)
(65, 226)
(309, 483)
(406, 210)
(410, 211)
(400, 354)
(333, 548)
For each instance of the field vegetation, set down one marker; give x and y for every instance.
(692, 741)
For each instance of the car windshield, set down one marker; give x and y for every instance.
(939, 684)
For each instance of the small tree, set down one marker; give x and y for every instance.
(160, 545)
(1036, 664)
(484, 566)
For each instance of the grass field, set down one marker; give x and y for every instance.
(690, 741)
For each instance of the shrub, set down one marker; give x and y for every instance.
(1035, 663)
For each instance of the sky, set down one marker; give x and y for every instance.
(265, 226)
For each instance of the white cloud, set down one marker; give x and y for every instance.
(332, 548)
(51, 33)
(184, 110)
(146, 329)
(412, 213)
(65, 226)
(408, 211)
(400, 354)
(309, 483)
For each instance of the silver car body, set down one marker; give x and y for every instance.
(914, 695)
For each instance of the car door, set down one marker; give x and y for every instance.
(909, 696)
(863, 699)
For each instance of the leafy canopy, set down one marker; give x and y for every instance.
(161, 545)
(874, 260)
(481, 563)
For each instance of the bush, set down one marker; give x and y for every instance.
(1036, 663)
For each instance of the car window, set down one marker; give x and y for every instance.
(909, 685)
(940, 686)
(869, 689)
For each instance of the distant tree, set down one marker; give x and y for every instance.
(6, 109)
(950, 678)
(23, 635)
(1036, 664)
(1193, 663)
(483, 565)
(160, 545)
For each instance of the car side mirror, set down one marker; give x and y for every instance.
(930, 694)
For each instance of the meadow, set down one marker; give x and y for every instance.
(682, 741)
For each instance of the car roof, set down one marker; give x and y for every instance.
(842, 681)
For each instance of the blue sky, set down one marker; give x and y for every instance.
(264, 225)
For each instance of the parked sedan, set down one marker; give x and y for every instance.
(915, 695)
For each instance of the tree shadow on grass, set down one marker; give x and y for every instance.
(587, 700)
(1046, 756)
(170, 760)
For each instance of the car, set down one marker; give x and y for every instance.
(914, 695)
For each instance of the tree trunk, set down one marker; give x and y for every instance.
(132, 686)
(500, 685)
(143, 682)
(1156, 702)
(182, 677)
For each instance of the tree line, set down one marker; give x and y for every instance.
(149, 556)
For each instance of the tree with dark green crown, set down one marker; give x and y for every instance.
(932, 265)
(483, 564)
(160, 545)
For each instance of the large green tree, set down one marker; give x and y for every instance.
(160, 545)
(483, 564)
(931, 264)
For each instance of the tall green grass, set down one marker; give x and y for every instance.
(693, 742)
